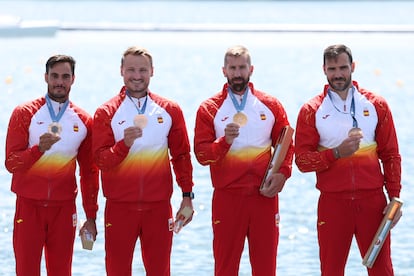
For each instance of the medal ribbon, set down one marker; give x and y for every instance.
(144, 106)
(56, 117)
(239, 107)
(352, 110)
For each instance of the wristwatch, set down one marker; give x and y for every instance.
(188, 194)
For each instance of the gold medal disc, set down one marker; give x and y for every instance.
(355, 131)
(140, 121)
(55, 128)
(240, 118)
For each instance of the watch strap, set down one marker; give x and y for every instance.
(188, 194)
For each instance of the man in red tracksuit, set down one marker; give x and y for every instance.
(135, 133)
(234, 133)
(45, 139)
(342, 134)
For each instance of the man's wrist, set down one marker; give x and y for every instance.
(336, 153)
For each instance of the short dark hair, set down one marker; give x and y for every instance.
(237, 51)
(333, 51)
(59, 59)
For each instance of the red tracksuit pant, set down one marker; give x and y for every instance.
(44, 225)
(339, 220)
(237, 215)
(125, 222)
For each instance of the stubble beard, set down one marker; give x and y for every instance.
(56, 93)
(340, 88)
(137, 90)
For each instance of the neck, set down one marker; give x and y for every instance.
(343, 94)
(240, 93)
(137, 94)
(59, 100)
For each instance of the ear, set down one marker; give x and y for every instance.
(223, 69)
(120, 70)
(46, 77)
(251, 69)
(324, 69)
(352, 66)
(152, 71)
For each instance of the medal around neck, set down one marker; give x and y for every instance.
(55, 128)
(140, 121)
(240, 118)
(355, 131)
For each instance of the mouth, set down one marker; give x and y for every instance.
(339, 80)
(59, 88)
(238, 80)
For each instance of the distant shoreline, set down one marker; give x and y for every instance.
(263, 28)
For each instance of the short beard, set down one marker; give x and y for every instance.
(340, 88)
(238, 87)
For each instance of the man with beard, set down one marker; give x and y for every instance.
(234, 133)
(342, 134)
(137, 136)
(44, 140)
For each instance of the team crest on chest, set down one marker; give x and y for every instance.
(75, 127)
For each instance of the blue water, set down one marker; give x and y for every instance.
(188, 70)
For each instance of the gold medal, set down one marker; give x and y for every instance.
(55, 128)
(140, 121)
(355, 131)
(240, 118)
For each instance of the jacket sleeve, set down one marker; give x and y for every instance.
(19, 157)
(89, 174)
(307, 156)
(387, 148)
(107, 152)
(179, 147)
(208, 149)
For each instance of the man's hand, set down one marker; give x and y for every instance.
(47, 140)
(231, 132)
(273, 185)
(349, 146)
(89, 226)
(397, 215)
(130, 134)
(187, 202)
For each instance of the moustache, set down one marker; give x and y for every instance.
(237, 79)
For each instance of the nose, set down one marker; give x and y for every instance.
(237, 73)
